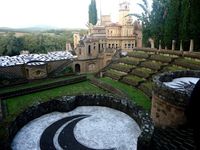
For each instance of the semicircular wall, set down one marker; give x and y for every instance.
(68, 103)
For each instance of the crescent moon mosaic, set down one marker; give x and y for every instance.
(84, 128)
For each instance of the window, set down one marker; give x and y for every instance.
(125, 45)
(129, 45)
(112, 45)
(89, 50)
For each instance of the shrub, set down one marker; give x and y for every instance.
(131, 60)
(191, 64)
(142, 72)
(122, 67)
(114, 74)
(132, 80)
(138, 54)
(165, 59)
(152, 65)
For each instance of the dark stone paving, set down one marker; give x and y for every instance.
(173, 139)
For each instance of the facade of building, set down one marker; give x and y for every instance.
(95, 50)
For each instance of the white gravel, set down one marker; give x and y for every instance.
(175, 82)
(105, 128)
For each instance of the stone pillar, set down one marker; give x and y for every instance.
(160, 47)
(165, 47)
(173, 44)
(191, 45)
(181, 46)
(151, 42)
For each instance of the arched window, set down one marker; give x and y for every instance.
(112, 45)
(77, 68)
(89, 50)
(79, 51)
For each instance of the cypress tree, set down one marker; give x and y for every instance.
(195, 23)
(93, 12)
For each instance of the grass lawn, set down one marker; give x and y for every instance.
(17, 104)
(134, 94)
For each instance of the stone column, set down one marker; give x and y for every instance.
(181, 46)
(191, 45)
(165, 47)
(173, 44)
(160, 47)
(151, 42)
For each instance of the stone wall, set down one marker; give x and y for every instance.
(68, 103)
(166, 114)
(168, 104)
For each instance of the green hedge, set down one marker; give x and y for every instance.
(165, 59)
(173, 68)
(146, 87)
(131, 60)
(132, 80)
(191, 64)
(152, 65)
(138, 54)
(142, 72)
(122, 67)
(114, 74)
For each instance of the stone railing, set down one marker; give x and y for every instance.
(68, 103)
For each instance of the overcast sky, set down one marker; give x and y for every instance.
(56, 13)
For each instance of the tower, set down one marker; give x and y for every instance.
(124, 9)
(76, 38)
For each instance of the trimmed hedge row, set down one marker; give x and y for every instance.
(131, 60)
(151, 65)
(138, 54)
(164, 59)
(132, 80)
(142, 72)
(173, 68)
(114, 74)
(146, 88)
(187, 63)
(121, 67)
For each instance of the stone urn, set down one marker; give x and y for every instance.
(171, 95)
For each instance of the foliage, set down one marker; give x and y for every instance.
(132, 80)
(138, 54)
(171, 20)
(114, 74)
(142, 72)
(144, 17)
(161, 58)
(130, 60)
(41, 42)
(93, 12)
(134, 94)
(152, 65)
(122, 67)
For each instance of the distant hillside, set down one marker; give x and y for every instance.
(37, 29)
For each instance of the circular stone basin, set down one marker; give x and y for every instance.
(171, 95)
(86, 127)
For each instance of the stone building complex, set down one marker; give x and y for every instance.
(96, 49)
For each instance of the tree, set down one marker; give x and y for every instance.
(144, 17)
(195, 22)
(93, 12)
